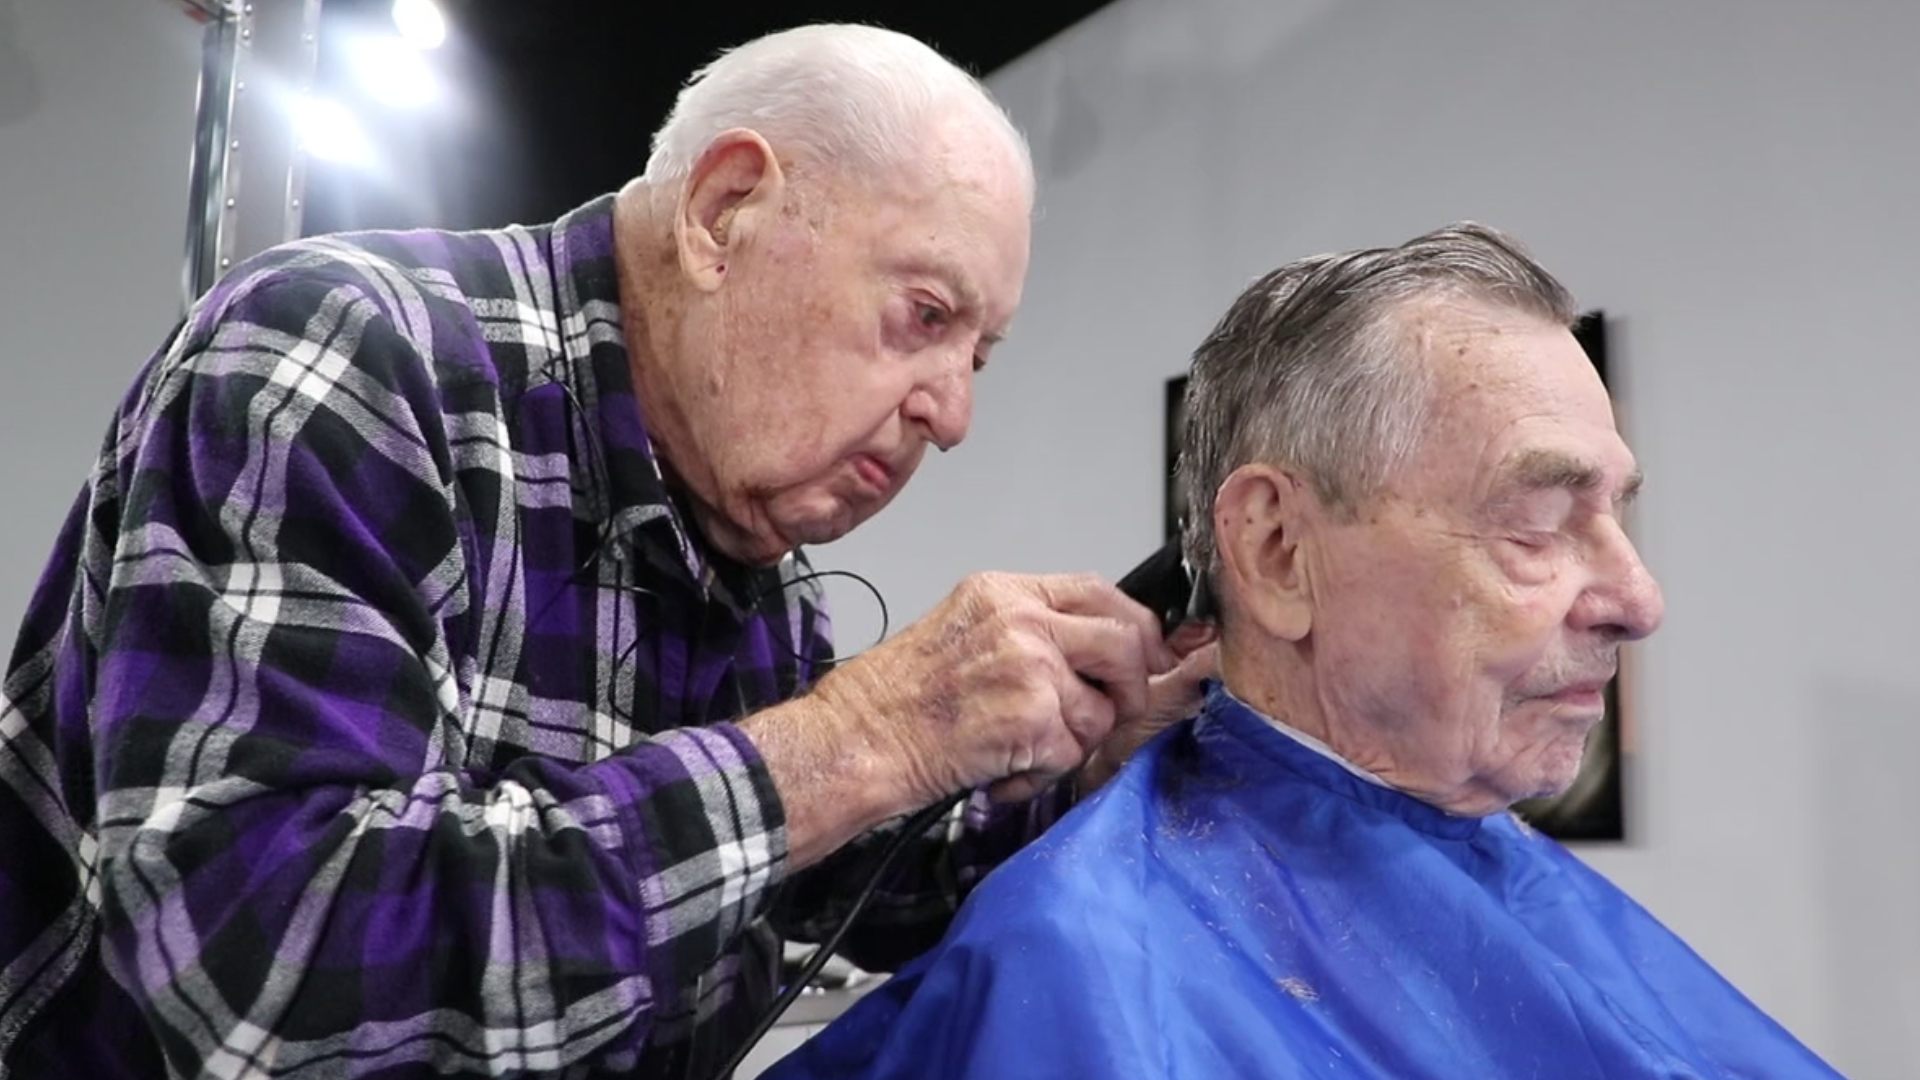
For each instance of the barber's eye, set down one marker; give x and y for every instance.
(932, 317)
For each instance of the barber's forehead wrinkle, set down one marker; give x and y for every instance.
(953, 236)
(948, 272)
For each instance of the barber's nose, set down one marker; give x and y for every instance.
(1624, 598)
(944, 405)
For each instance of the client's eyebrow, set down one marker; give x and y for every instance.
(1556, 470)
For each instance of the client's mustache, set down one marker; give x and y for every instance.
(1588, 670)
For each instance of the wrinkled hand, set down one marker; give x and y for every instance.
(1171, 697)
(1009, 683)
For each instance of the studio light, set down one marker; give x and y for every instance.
(392, 72)
(330, 133)
(420, 22)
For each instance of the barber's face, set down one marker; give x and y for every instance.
(846, 340)
(1473, 615)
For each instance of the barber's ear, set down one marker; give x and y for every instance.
(1259, 522)
(734, 185)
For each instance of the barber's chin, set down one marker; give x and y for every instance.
(758, 541)
(820, 524)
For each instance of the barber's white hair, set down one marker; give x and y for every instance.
(859, 97)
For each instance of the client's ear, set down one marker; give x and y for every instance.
(1259, 519)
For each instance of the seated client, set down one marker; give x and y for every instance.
(1408, 491)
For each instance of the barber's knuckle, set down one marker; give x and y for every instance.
(1067, 751)
(1119, 644)
(1140, 653)
(1092, 710)
(1002, 638)
(1000, 583)
(1103, 725)
(1047, 659)
(1000, 593)
(975, 590)
(1038, 705)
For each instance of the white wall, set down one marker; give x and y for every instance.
(96, 125)
(1735, 183)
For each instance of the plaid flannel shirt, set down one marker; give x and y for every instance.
(373, 716)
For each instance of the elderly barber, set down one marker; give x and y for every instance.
(424, 683)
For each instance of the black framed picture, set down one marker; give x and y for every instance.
(1594, 807)
(1174, 500)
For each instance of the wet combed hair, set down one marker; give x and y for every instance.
(1312, 368)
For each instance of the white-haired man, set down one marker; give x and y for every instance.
(1409, 494)
(417, 687)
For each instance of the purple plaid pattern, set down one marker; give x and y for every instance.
(373, 716)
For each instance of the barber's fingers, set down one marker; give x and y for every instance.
(1089, 595)
(1020, 787)
(1105, 651)
(1190, 636)
(1081, 718)
(1058, 754)
(1010, 681)
(1179, 693)
(1089, 714)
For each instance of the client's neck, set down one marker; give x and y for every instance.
(1283, 684)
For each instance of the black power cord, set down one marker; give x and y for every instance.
(915, 826)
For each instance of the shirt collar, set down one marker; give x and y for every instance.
(618, 479)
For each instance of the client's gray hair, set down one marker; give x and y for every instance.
(1313, 369)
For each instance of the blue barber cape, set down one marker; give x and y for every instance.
(1235, 904)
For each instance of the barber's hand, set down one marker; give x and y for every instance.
(1171, 697)
(1009, 683)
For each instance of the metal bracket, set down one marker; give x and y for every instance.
(248, 172)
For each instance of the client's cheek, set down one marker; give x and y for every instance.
(1512, 629)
